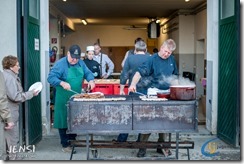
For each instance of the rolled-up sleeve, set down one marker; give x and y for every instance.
(57, 74)
(110, 65)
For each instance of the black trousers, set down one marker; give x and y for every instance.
(65, 138)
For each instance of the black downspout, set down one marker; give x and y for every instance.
(238, 113)
(24, 47)
(21, 61)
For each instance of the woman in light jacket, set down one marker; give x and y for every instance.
(15, 95)
(5, 117)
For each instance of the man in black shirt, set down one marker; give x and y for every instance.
(93, 65)
(157, 67)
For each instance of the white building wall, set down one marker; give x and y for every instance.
(200, 51)
(186, 43)
(212, 66)
(201, 25)
(8, 26)
(44, 53)
(108, 36)
(55, 33)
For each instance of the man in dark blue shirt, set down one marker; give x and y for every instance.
(132, 52)
(156, 70)
(131, 65)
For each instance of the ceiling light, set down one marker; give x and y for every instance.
(187, 0)
(84, 21)
(64, 0)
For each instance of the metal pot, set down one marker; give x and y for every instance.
(163, 95)
(183, 92)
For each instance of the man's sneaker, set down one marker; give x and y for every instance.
(166, 152)
(68, 150)
(141, 153)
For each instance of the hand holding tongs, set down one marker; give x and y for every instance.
(140, 93)
(87, 89)
(133, 90)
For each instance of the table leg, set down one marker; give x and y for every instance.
(87, 146)
(177, 145)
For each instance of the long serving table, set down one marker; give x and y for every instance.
(133, 116)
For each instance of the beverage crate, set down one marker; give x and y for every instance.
(106, 89)
(117, 89)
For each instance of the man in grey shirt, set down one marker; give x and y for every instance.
(104, 62)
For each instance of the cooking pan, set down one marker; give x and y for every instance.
(179, 92)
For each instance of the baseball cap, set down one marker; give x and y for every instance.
(90, 48)
(75, 51)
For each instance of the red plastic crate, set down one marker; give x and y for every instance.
(106, 89)
(117, 89)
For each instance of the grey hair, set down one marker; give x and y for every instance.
(141, 46)
(170, 44)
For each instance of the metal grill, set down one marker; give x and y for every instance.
(131, 116)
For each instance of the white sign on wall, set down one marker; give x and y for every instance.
(37, 44)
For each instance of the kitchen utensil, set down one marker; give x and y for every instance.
(73, 91)
(88, 89)
(140, 93)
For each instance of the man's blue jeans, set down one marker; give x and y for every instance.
(122, 137)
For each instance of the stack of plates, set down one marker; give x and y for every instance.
(37, 87)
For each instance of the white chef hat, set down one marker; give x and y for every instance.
(90, 48)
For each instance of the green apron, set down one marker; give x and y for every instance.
(74, 78)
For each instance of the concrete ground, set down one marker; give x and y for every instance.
(50, 149)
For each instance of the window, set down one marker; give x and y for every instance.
(34, 8)
(227, 8)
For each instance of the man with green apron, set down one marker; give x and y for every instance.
(67, 74)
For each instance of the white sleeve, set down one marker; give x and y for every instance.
(110, 66)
